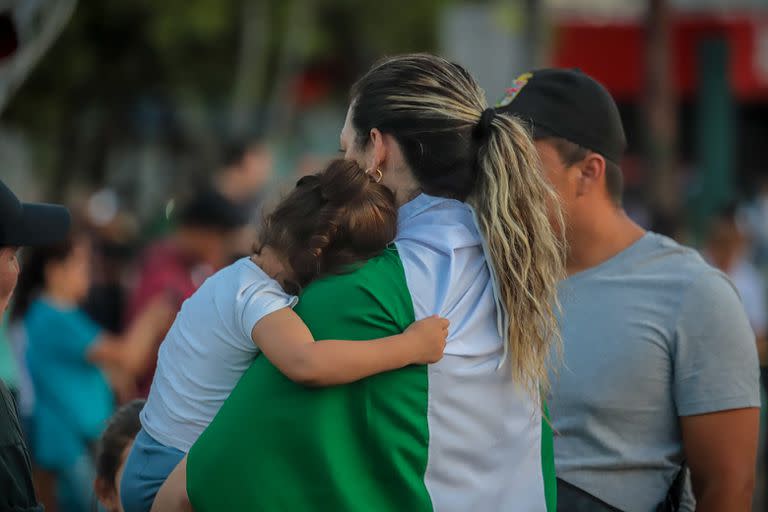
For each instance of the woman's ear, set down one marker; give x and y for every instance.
(378, 150)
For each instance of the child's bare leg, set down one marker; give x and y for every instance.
(172, 496)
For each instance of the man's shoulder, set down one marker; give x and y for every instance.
(678, 265)
(673, 252)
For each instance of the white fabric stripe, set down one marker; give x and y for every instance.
(485, 435)
(502, 317)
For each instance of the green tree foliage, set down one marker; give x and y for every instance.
(127, 70)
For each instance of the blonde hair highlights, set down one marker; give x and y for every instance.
(433, 107)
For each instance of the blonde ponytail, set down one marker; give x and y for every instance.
(454, 148)
(517, 211)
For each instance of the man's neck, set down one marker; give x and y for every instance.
(594, 243)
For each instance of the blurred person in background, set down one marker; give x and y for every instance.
(20, 225)
(69, 357)
(176, 266)
(728, 249)
(113, 449)
(246, 168)
(756, 219)
(660, 367)
(113, 233)
(245, 171)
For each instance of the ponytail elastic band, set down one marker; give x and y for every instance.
(483, 128)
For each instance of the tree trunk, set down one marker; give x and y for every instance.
(250, 76)
(663, 187)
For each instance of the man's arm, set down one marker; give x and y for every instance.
(721, 451)
(717, 394)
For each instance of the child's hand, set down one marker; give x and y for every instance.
(427, 339)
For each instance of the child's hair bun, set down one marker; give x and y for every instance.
(342, 181)
(330, 221)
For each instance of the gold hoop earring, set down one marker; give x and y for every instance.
(378, 177)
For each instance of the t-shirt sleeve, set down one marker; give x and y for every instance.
(85, 332)
(715, 356)
(260, 300)
(69, 335)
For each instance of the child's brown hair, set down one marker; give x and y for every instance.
(331, 220)
(118, 434)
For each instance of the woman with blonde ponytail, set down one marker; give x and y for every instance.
(476, 243)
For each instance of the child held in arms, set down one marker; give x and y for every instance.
(330, 223)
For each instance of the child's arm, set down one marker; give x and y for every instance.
(289, 345)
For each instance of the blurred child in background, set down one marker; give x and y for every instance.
(69, 358)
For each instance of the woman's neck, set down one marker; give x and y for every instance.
(405, 196)
(403, 184)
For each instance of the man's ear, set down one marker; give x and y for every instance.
(591, 175)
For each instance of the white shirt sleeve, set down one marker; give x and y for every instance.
(259, 300)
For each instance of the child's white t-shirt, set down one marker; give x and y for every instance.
(207, 350)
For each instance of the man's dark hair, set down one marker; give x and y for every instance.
(571, 153)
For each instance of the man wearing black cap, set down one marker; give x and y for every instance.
(20, 224)
(660, 366)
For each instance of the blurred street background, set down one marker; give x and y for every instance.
(127, 110)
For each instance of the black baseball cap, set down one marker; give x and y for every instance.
(30, 223)
(571, 105)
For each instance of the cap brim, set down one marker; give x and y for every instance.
(39, 224)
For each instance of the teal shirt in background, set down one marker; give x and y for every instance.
(73, 397)
(9, 372)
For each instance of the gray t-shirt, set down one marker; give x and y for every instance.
(651, 334)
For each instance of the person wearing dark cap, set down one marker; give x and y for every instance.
(242, 177)
(21, 224)
(660, 368)
(176, 266)
(246, 167)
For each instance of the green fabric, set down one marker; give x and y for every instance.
(548, 462)
(8, 371)
(277, 446)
